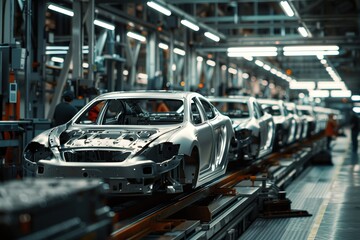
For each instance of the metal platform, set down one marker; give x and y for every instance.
(330, 193)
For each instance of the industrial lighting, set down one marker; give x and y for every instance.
(323, 61)
(340, 93)
(190, 25)
(279, 74)
(212, 36)
(163, 46)
(356, 109)
(61, 10)
(320, 57)
(254, 54)
(303, 31)
(312, 48)
(355, 97)
(330, 85)
(329, 69)
(309, 53)
(57, 59)
(199, 59)
(249, 58)
(289, 79)
(125, 72)
(211, 63)
(245, 76)
(159, 8)
(259, 63)
(287, 9)
(274, 71)
(85, 65)
(142, 75)
(232, 70)
(136, 36)
(302, 85)
(179, 51)
(252, 49)
(319, 93)
(56, 52)
(104, 25)
(267, 67)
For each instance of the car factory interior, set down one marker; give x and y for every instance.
(178, 119)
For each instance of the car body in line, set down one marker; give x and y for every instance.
(138, 142)
(284, 122)
(308, 112)
(254, 128)
(300, 121)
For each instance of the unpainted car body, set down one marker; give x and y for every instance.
(139, 142)
(300, 121)
(254, 128)
(308, 112)
(284, 122)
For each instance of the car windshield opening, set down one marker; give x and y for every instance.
(233, 109)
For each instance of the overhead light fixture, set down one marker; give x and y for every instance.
(312, 48)
(199, 59)
(212, 36)
(253, 54)
(287, 9)
(320, 57)
(211, 63)
(340, 93)
(245, 75)
(323, 61)
(62, 10)
(56, 52)
(267, 67)
(136, 36)
(163, 46)
(319, 93)
(179, 51)
(355, 97)
(190, 25)
(289, 79)
(274, 71)
(85, 65)
(104, 25)
(57, 59)
(125, 72)
(302, 85)
(232, 70)
(303, 31)
(309, 53)
(356, 109)
(259, 63)
(249, 58)
(330, 85)
(252, 49)
(279, 74)
(159, 8)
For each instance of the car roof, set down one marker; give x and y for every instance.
(148, 94)
(270, 101)
(232, 99)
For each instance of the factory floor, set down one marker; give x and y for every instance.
(329, 192)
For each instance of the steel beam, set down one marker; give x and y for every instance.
(28, 66)
(90, 16)
(77, 40)
(247, 18)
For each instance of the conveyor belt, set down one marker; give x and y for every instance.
(310, 191)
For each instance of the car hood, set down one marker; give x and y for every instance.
(239, 122)
(129, 138)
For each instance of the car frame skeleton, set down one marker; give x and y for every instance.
(138, 142)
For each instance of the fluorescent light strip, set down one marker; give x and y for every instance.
(319, 93)
(303, 31)
(56, 52)
(251, 49)
(163, 46)
(85, 65)
(159, 8)
(302, 85)
(323, 61)
(259, 63)
(274, 71)
(104, 25)
(212, 36)
(190, 25)
(340, 93)
(179, 51)
(136, 36)
(232, 70)
(199, 59)
(61, 10)
(57, 59)
(211, 63)
(355, 97)
(330, 85)
(287, 9)
(253, 54)
(267, 67)
(279, 74)
(312, 48)
(249, 58)
(309, 53)
(356, 109)
(245, 75)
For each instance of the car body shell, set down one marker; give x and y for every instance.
(254, 128)
(284, 122)
(308, 112)
(145, 151)
(300, 121)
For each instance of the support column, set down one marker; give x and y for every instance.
(152, 60)
(91, 40)
(77, 72)
(28, 66)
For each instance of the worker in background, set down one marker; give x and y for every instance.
(64, 111)
(354, 124)
(331, 130)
